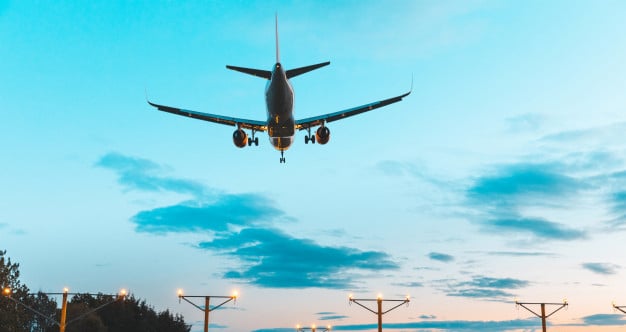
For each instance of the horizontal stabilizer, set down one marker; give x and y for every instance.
(298, 71)
(254, 72)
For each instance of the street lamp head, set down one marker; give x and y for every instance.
(123, 293)
(328, 327)
(565, 301)
(297, 327)
(6, 291)
(179, 292)
(65, 290)
(379, 296)
(235, 295)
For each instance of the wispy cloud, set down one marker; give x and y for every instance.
(453, 325)
(272, 258)
(604, 320)
(143, 174)
(537, 227)
(440, 257)
(243, 226)
(224, 211)
(481, 287)
(518, 253)
(501, 195)
(411, 284)
(528, 122)
(601, 268)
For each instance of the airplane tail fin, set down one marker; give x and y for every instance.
(299, 71)
(277, 48)
(268, 74)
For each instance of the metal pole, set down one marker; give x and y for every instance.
(380, 314)
(63, 312)
(207, 299)
(543, 317)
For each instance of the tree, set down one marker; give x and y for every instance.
(13, 317)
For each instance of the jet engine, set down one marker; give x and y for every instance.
(322, 135)
(240, 138)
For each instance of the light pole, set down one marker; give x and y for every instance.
(207, 309)
(63, 323)
(379, 301)
(619, 307)
(543, 315)
(313, 328)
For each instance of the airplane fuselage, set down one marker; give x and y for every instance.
(279, 98)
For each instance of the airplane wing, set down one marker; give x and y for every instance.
(330, 117)
(227, 120)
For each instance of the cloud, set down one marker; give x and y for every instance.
(499, 198)
(243, 229)
(528, 122)
(142, 174)
(499, 283)
(604, 320)
(601, 268)
(273, 259)
(427, 317)
(437, 256)
(517, 182)
(454, 325)
(327, 315)
(224, 211)
(412, 284)
(480, 293)
(518, 253)
(208, 210)
(538, 227)
(487, 288)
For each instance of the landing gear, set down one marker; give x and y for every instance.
(253, 140)
(282, 156)
(309, 137)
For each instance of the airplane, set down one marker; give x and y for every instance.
(279, 99)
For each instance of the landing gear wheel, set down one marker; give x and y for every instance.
(256, 141)
(306, 139)
(312, 139)
(282, 157)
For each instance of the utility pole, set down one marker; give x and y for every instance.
(63, 323)
(543, 315)
(207, 299)
(379, 301)
(313, 328)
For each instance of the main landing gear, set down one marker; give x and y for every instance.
(309, 137)
(282, 156)
(253, 140)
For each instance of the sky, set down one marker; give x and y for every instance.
(501, 177)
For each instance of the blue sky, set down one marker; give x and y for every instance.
(501, 176)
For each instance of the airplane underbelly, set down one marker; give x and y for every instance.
(281, 143)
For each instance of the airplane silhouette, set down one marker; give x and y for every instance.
(279, 98)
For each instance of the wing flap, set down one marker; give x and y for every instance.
(330, 117)
(221, 119)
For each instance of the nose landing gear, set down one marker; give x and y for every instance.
(282, 156)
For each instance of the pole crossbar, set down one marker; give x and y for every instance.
(380, 311)
(207, 307)
(543, 315)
